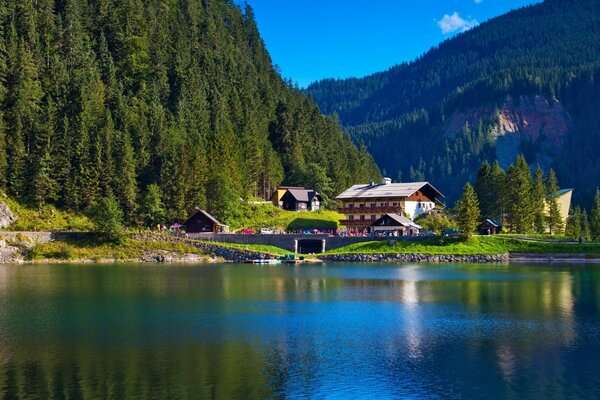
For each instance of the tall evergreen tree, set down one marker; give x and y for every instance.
(467, 210)
(519, 204)
(485, 190)
(585, 226)
(595, 217)
(555, 221)
(573, 229)
(538, 193)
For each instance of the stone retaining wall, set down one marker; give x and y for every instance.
(417, 258)
(289, 242)
(229, 254)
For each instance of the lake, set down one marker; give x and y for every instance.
(230, 331)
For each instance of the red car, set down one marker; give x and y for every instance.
(247, 232)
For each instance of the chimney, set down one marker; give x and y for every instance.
(386, 181)
(371, 183)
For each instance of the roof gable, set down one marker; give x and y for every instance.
(401, 220)
(202, 213)
(366, 191)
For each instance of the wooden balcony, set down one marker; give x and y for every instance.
(371, 210)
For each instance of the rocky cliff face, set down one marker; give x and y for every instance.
(6, 216)
(533, 124)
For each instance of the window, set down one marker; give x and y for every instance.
(351, 218)
(384, 204)
(362, 217)
(373, 217)
(373, 205)
(361, 206)
(395, 204)
(351, 206)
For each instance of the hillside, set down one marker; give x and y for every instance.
(165, 104)
(525, 82)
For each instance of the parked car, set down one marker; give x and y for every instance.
(247, 232)
(449, 232)
(266, 231)
(427, 234)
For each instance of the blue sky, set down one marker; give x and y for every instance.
(316, 39)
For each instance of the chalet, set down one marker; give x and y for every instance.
(279, 192)
(203, 222)
(301, 200)
(490, 227)
(395, 225)
(366, 203)
(563, 198)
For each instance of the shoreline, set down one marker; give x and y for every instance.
(515, 259)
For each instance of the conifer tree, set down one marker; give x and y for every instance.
(585, 226)
(519, 204)
(152, 206)
(538, 193)
(485, 190)
(573, 229)
(467, 209)
(595, 217)
(555, 222)
(499, 191)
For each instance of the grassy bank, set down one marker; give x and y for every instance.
(478, 245)
(269, 216)
(45, 218)
(93, 249)
(257, 248)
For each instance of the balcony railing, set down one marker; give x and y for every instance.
(371, 210)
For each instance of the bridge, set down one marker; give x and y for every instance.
(297, 243)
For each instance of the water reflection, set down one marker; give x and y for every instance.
(240, 331)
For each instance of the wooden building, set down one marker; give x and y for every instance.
(277, 196)
(395, 225)
(203, 222)
(490, 227)
(293, 198)
(366, 203)
(301, 200)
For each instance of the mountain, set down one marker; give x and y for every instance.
(525, 82)
(161, 103)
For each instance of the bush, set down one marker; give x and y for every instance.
(107, 216)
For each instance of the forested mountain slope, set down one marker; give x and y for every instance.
(146, 100)
(527, 81)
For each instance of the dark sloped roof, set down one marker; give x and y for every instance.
(404, 189)
(303, 195)
(205, 214)
(493, 222)
(400, 219)
(299, 194)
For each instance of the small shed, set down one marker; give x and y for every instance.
(395, 225)
(202, 222)
(301, 200)
(490, 227)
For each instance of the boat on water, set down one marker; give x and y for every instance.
(264, 261)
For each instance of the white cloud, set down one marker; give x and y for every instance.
(455, 23)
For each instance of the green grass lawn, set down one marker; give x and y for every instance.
(269, 216)
(45, 218)
(258, 248)
(94, 249)
(478, 245)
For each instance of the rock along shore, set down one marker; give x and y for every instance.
(418, 258)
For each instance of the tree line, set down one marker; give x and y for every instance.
(524, 202)
(549, 49)
(160, 105)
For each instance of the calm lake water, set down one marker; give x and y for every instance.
(330, 331)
